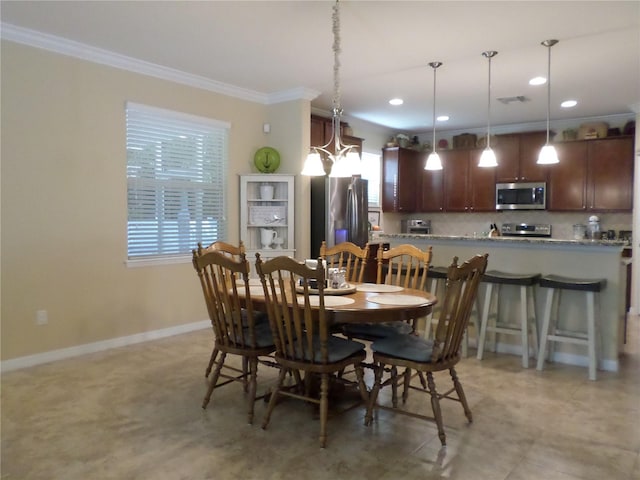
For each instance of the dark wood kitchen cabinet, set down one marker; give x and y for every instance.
(593, 175)
(400, 179)
(566, 188)
(431, 194)
(320, 130)
(467, 187)
(610, 180)
(517, 154)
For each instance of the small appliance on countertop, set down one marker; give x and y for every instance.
(625, 236)
(526, 230)
(593, 228)
(416, 226)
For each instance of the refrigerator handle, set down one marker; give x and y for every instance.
(352, 213)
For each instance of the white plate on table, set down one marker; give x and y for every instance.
(407, 300)
(314, 301)
(378, 288)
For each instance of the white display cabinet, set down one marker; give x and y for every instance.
(267, 215)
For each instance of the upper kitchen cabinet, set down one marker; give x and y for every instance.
(467, 187)
(400, 179)
(431, 194)
(610, 181)
(566, 188)
(593, 175)
(517, 155)
(320, 129)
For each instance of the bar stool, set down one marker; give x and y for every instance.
(550, 331)
(438, 279)
(527, 325)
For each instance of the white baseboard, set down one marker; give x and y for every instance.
(560, 357)
(54, 355)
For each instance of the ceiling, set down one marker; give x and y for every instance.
(271, 47)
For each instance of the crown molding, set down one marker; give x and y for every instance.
(300, 93)
(82, 51)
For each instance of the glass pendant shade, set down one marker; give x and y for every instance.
(548, 155)
(346, 165)
(433, 162)
(488, 158)
(353, 162)
(313, 166)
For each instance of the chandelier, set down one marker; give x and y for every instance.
(342, 160)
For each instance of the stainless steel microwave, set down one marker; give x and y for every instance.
(521, 196)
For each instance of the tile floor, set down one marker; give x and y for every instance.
(134, 413)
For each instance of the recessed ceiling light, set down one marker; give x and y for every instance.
(568, 104)
(396, 101)
(443, 118)
(537, 81)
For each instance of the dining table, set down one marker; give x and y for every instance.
(359, 303)
(365, 302)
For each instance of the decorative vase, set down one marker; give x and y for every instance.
(266, 192)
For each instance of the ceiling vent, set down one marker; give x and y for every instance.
(517, 99)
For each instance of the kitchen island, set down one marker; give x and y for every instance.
(588, 259)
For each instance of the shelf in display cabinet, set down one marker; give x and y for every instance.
(262, 200)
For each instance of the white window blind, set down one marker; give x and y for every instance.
(371, 170)
(176, 177)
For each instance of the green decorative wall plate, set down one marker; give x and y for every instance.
(267, 159)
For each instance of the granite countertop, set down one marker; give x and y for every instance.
(536, 240)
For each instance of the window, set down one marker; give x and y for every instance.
(176, 176)
(371, 171)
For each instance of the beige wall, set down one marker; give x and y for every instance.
(64, 207)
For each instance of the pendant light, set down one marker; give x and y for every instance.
(433, 161)
(488, 157)
(548, 154)
(344, 160)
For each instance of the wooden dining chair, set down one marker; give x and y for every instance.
(225, 284)
(346, 255)
(403, 266)
(228, 249)
(301, 334)
(237, 253)
(412, 352)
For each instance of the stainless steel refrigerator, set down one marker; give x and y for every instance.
(339, 211)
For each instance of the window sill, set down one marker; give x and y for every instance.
(150, 262)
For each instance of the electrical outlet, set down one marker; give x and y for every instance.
(42, 317)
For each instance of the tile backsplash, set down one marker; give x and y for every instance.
(478, 223)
